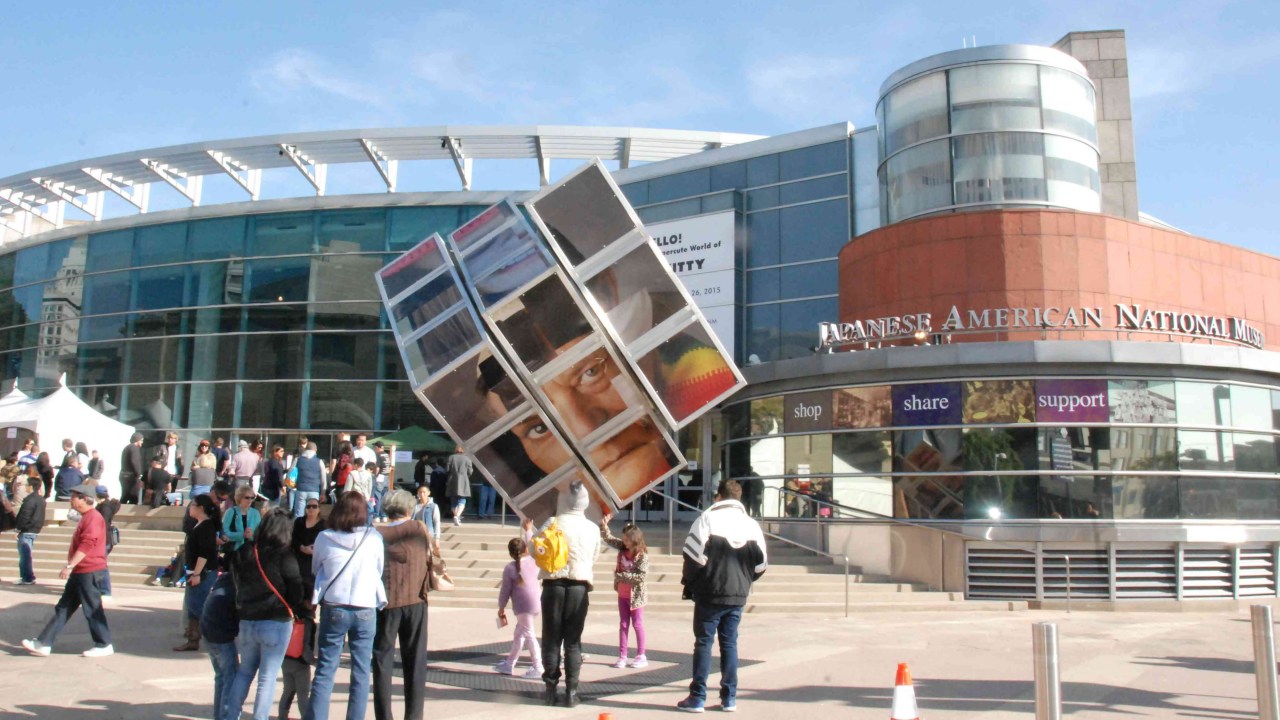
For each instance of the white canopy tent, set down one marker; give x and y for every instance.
(64, 415)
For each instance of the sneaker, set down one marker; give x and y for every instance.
(690, 704)
(107, 599)
(25, 582)
(503, 668)
(729, 705)
(457, 521)
(533, 673)
(640, 662)
(35, 648)
(95, 652)
(621, 663)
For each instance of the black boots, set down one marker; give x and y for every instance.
(550, 697)
(571, 698)
(193, 637)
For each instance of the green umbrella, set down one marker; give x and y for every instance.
(417, 439)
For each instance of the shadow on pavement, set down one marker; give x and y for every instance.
(1199, 663)
(137, 631)
(103, 709)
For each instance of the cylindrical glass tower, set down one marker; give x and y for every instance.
(1004, 125)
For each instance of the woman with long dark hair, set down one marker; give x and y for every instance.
(202, 561)
(269, 595)
(45, 468)
(347, 561)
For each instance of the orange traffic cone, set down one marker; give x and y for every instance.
(605, 716)
(904, 696)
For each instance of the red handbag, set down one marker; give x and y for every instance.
(294, 649)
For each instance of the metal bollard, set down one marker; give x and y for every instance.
(1044, 648)
(1264, 662)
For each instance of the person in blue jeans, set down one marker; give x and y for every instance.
(269, 594)
(723, 555)
(347, 560)
(309, 481)
(28, 521)
(219, 626)
(487, 496)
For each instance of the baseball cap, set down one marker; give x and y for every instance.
(89, 490)
(101, 491)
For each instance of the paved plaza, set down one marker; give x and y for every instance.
(966, 665)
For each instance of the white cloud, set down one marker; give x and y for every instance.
(451, 71)
(295, 72)
(800, 86)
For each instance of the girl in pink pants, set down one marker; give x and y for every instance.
(520, 585)
(629, 580)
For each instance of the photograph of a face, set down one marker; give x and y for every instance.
(633, 458)
(637, 293)
(475, 394)
(688, 372)
(513, 458)
(419, 262)
(441, 345)
(592, 391)
(542, 322)
(584, 215)
(421, 306)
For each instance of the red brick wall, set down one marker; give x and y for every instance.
(1041, 258)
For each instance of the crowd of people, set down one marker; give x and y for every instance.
(277, 591)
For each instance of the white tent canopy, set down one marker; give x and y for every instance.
(64, 415)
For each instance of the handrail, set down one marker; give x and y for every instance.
(671, 540)
(865, 514)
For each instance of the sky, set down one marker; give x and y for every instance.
(91, 78)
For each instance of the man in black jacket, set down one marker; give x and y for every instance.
(723, 555)
(131, 469)
(28, 521)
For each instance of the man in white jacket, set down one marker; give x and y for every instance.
(564, 597)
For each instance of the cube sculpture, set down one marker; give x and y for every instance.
(567, 353)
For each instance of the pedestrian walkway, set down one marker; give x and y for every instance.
(975, 665)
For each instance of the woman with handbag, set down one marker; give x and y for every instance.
(347, 560)
(202, 560)
(407, 576)
(269, 597)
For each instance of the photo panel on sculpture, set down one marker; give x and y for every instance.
(637, 293)
(556, 500)
(592, 390)
(420, 261)
(479, 227)
(441, 345)
(475, 394)
(423, 304)
(541, 322)
(505, 262)
(584, 215)
(688, 372)
(521, 457)
(634, 458)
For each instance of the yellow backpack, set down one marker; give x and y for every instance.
(551, 549)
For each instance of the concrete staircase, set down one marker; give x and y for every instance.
(798, 582)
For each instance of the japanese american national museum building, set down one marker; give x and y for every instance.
(969, 355)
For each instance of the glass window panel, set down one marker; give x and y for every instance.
(422, 306)
(1141, 401)
(401, 408)
(346, 316)
(766, 416)
(1002, 497)
(863, 407)
(155, 360)
(1204, 450)
(1078, 497)
(862, 452)
(915, 111)
(810, 161)
(342, 405)
(1143, 448)
(339, 356)
(637, 193)
(276, 318)
(212, 284)
(107, 251)
(149, 407)
(28, 304)
(585, 212)
(280, 280)
(763, 198)
(161, 287)
(1075, 448)
(272, 405)
(101, 363)
(7, 263)
(216, 239)
(1256, 453)
(1071, 173)
(1001, 449)
(283, 234)
(1145, 497)
(809, 279)
(1257, 499)
(866, 186)
(1275, 409)
(1250, 407)
(995, 97)
(764, 236)
(798, 324)
(33, 262)
(158, 324)
(808, 454)
(763, 334)
(412, 225)
(762, 170)
(730, 176)
(930, 492)
(352, 231)
(820, 188)
(762, 285)
(670, 211)
(813, 231)
(422, 260)
(159, 244)
(918, 180)
(436, 349)
(212, 404)
(680, 185)
(1068, 103)
(719, 201)
(1203, 404)
(998, 167)
(1209, 498)
(275, 356)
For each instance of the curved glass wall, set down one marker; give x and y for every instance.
(989, 134)
(252, 322)
(1043, 448)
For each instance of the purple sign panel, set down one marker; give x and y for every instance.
(926, 404)
(1073, 401)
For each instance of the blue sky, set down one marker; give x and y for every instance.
(87, 79)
